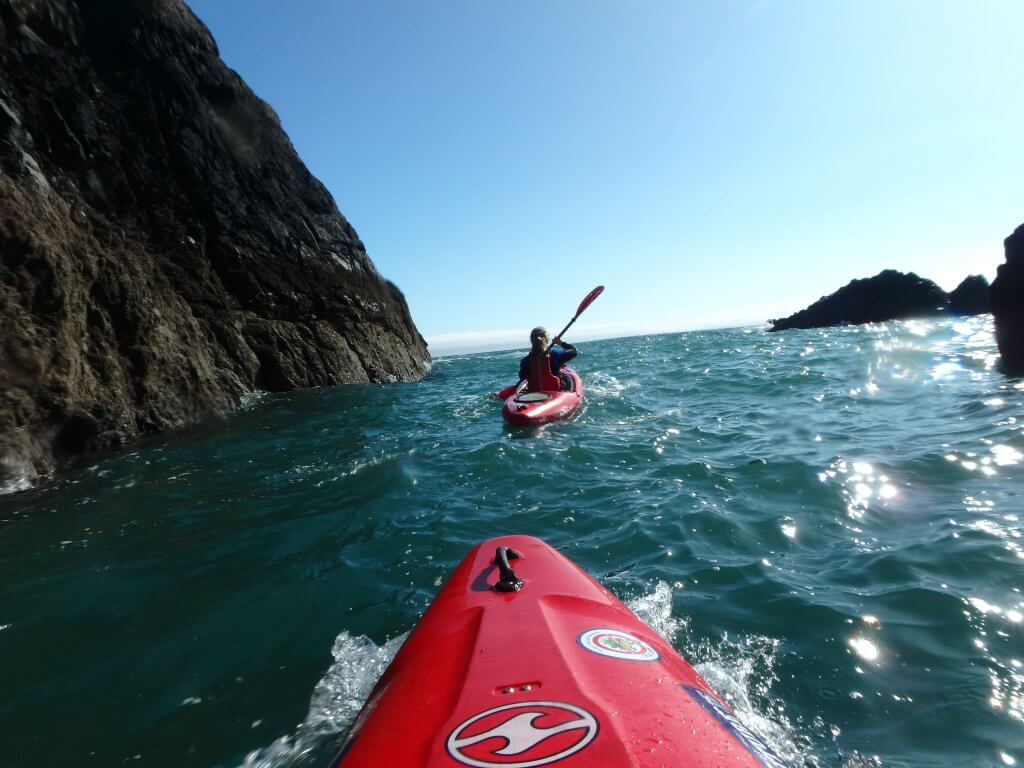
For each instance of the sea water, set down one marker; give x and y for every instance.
(827, 523)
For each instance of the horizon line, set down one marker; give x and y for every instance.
(470, 349)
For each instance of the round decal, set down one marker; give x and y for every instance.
(617, 645)
(522, 735)
(728, 720)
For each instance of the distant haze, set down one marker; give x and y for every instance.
(467, 342)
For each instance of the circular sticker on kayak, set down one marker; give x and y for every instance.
(617, 645)
(522, 735)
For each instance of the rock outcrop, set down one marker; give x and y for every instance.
(889, 295)
(163, 250)
(1008, 304)
(971, 297)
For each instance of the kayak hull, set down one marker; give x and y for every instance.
(519, 409)
(559, 672)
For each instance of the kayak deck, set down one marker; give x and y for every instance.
(557, 672)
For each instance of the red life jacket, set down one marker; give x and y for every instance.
(540, 378)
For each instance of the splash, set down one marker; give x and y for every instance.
(336, 700)
(16, 476)
(741, 671)
(606, 385)
(655, 609)
(20, 483)
(252, 399)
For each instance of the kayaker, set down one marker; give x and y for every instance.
(541, 377)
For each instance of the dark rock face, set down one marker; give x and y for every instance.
(163, 250)
(889, 295)
(971, 297)
(1008, 304)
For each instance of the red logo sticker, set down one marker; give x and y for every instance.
(522, 735)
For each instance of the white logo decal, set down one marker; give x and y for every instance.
(522, 735)
(617, 645)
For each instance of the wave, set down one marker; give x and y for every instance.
(607, 385)
(336, 700)
(252, 399)
(19, 483)
(741, 671)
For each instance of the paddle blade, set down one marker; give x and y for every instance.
(589, 299)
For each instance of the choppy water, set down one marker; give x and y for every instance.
(825, 522)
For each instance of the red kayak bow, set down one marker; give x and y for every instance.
(524, 661)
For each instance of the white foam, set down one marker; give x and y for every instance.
(606, 385)
(17, 474)
(655, 609)
(20, 483)
(335, 702)
(250, 399)
(741, 671)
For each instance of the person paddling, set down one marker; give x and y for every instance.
(542, 368)
(548, 378)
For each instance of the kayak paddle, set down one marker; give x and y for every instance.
(587, 301)
(501, 394)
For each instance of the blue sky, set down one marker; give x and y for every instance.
(712, 163)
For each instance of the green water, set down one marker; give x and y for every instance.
(825, 522)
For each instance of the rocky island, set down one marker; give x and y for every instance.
(163, 250)
(889, 295)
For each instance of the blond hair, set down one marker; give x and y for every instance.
(538, 333)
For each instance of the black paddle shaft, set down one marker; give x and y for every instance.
(559, 336)
(587, 301)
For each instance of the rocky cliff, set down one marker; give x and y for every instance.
(163, 250)
(1008, 304)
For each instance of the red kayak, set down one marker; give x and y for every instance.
(523, 660)
(530, 409)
